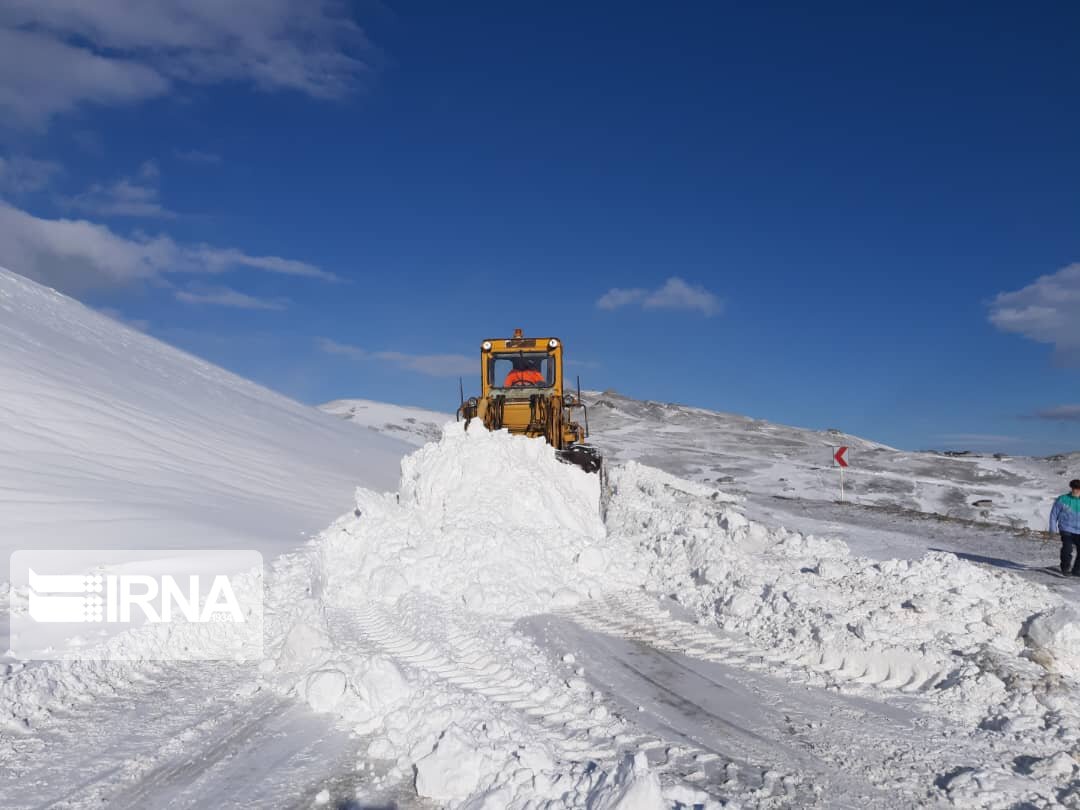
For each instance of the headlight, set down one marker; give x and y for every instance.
(486, 345)
(568, 399)
(553, 344)
(472, 402)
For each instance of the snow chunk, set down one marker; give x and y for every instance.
(380, 686)
(306, 643)
(1054, 638)
(633, 787)
(324, 690)
(453, 770)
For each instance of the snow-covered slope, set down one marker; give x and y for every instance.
(110, 438)
(762, 459)
(413, 425)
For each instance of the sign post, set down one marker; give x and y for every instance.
(840, 460)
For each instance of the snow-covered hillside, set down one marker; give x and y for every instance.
(413, 425)
(763, 460)
(111, 438)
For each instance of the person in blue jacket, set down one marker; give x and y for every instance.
(1065, 518)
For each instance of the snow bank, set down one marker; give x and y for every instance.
(907, 625)
(989, 649)
(1018, 786)
(114, 439)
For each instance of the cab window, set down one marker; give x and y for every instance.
(521, 370)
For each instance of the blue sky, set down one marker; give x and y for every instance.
(839, 217)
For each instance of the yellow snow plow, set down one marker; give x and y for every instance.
(522, 391)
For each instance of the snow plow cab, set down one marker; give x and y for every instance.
(522, 390)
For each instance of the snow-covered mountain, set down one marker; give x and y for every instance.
(765, 461)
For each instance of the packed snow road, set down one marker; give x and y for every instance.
(481, 639)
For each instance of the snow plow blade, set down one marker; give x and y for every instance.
(584, 456)
(588, 458)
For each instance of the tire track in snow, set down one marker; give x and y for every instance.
(564, 717)
(705, 691)
(191, 736)
(639, 616)
(465, 665)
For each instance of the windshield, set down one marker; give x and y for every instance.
(521, 370)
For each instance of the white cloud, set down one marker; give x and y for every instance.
(675, 294)
(222, 259)
(433, 365)
(333, 347)
(127, 197)
(20, 174)
(618, 297)
(1044, 311)
(1060, 413)
(57, 54)
(74, 254)
(41, 76)
(227, 297)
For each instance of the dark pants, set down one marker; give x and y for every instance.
(1069, 543)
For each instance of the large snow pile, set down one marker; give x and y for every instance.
(908, 625)
(398, 621)
(113, 439)
(491, 520)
